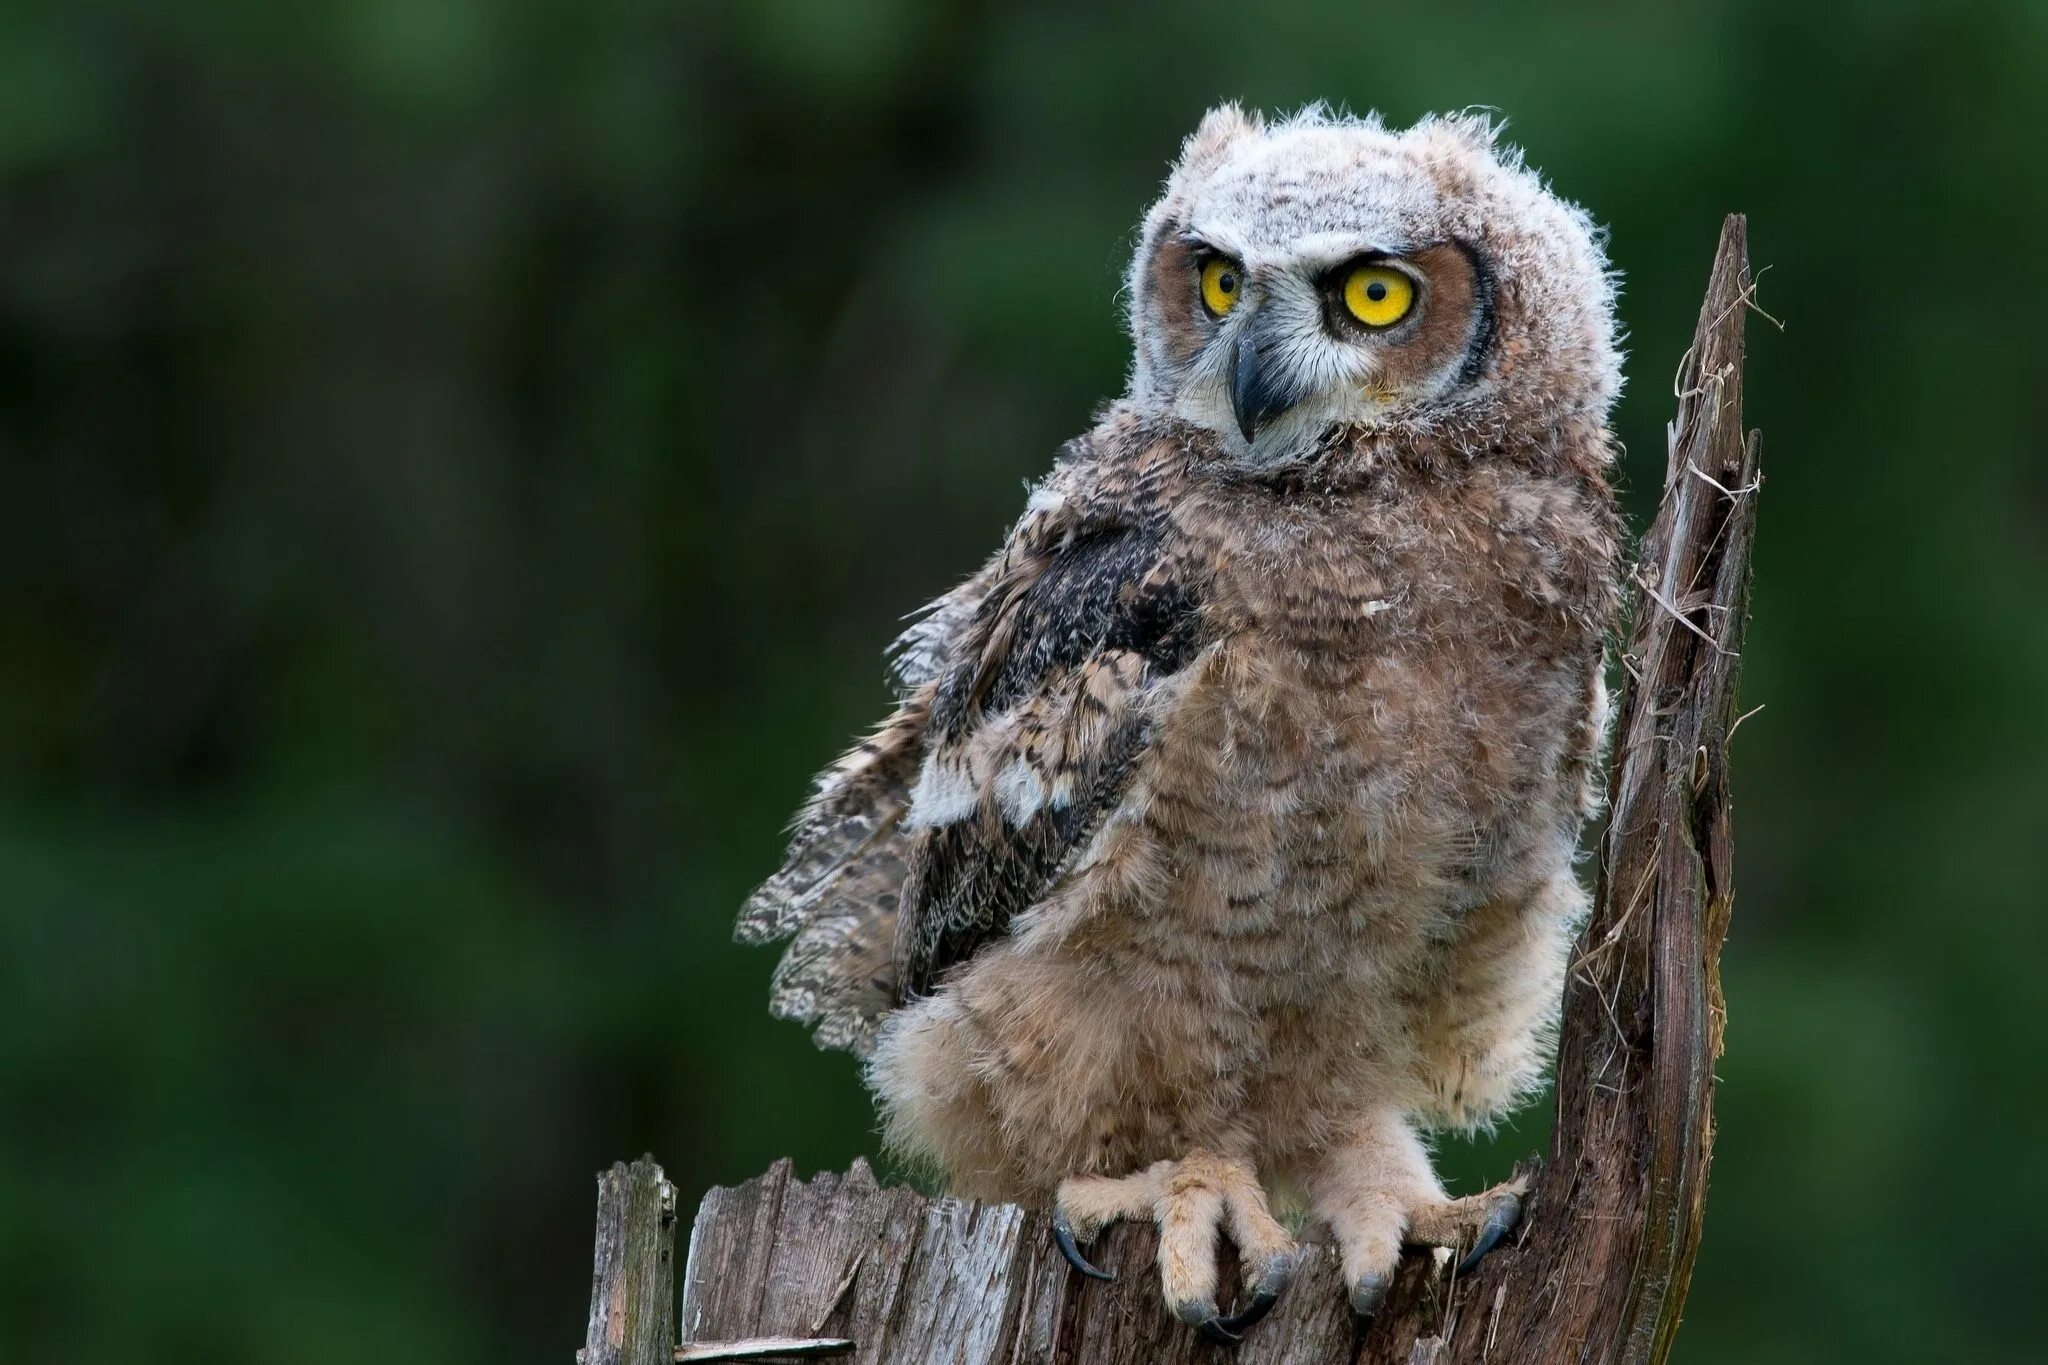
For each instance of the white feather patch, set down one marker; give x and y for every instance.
(1019, 793)
(1045, 499)
(944, 795)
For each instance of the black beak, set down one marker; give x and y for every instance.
(1253, 397)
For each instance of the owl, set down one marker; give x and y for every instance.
(1220, 847)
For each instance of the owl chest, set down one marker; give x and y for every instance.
(1360, 617)
(1361, 724)
(1490, 563)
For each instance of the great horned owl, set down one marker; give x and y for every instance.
(1223, 837)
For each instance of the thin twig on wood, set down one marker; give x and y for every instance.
(763, 1348)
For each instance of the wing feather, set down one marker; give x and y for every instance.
(842, 876)
(1035, 733)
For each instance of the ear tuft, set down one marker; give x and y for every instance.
(1220, 129)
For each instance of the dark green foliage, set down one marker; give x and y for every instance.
(464, 460)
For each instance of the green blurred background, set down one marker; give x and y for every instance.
(463, 461)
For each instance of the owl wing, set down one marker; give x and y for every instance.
(1037, 724)
(1021, 716)
(840, 880)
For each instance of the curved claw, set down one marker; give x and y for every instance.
(1500, 1221)
(1261, 1304)
(1369, 1293)
(1202, 1316)
(1063, 1237)
(1272, 1283)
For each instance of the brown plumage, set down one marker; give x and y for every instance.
(1224, 833)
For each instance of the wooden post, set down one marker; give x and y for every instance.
(1606, 1249)
(633, 1282)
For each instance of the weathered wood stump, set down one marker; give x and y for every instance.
(912, 1280)
(1600, 1271)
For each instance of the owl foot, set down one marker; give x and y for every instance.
(1477, 1222)
(1192, 1200)
(1378, 1194)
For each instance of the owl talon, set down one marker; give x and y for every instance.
(1202, 1316)
(1501, 1217)
(1063, 1237)
(1266, 1291)
(1368, 1293)
(1261, 1304)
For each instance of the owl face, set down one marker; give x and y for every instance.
(1327, 273)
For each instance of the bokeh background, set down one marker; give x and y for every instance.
(463, 459)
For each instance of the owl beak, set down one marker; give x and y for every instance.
(1254, 397)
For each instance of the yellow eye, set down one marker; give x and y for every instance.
(1222, 282)
(1378, 295)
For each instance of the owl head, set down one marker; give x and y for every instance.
(1327, 272)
